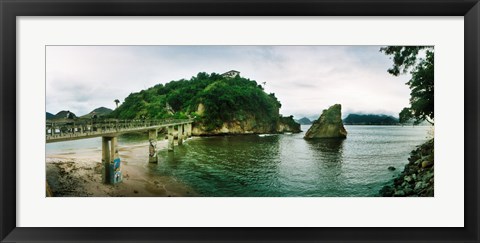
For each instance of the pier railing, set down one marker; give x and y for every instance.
(86, 128)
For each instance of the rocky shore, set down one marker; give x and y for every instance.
(417, 179)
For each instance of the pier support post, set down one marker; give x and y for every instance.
(170, 138)
(111, 173)
(180, 134)
(189, 129)
(152, 150)
(185, 131)
(105, 160)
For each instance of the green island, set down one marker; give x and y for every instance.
(220, 105)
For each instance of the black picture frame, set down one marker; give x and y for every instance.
(10, 9)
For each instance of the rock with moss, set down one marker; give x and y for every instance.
(328, 125)
(288, 124)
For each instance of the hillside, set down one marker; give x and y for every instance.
(360, 119)
(63, 115)
(100, 111)
(221, 105)
(49, 115)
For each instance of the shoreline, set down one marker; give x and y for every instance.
(78, 174)
(417, 178)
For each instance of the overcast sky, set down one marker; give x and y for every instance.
(306, 79)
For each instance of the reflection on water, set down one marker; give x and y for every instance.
(285, 165)
(288, 165)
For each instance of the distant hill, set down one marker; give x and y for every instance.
(64, 115)
(370, 119)
(304, 121)
(49, 115)
(100, 111)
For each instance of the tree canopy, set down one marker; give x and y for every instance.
(419, 61)
(221, 99)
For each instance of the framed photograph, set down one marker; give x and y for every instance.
(239, 121)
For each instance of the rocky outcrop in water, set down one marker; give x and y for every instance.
(288, 124)
(417, 178)
(250, 125)
(328, 125)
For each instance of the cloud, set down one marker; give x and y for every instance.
(306, 79)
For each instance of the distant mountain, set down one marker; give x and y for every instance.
(370, 119)
(100, 111)
(64, 115)
(49, 115)
(304, 121)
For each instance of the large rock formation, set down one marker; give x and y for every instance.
(328, 125)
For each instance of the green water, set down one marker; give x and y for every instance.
(288, 165)
(280, 165)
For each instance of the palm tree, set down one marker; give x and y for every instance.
(116, 102)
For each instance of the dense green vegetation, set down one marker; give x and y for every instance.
(406, 59)
(370, 119)
(212, 98)
(292, 125)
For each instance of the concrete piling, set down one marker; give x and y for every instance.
(105, 160)
(189, 130)
(152, 150)
(111, 173)
(170, 138)
(180, 134)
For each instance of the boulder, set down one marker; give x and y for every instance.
(386, 191)
(399, 193)
(427, 163)
(328, 125)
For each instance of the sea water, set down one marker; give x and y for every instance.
(279, 165)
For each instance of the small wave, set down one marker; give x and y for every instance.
(266, 135)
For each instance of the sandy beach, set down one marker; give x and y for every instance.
(78, 174)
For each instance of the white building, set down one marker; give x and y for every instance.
(231, 74)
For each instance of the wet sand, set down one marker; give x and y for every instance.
(78, 174)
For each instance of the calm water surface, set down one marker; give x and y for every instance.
(283, 165)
